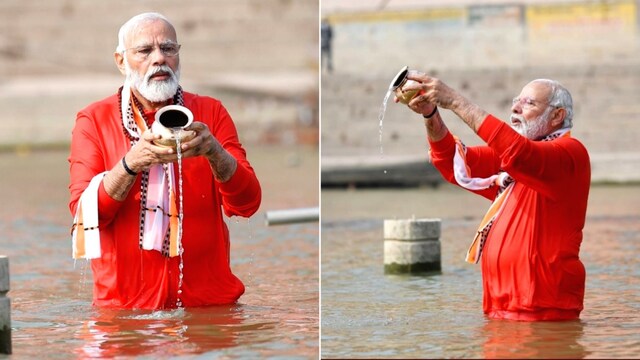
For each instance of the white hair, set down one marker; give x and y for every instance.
(559, 97)
(133, 23)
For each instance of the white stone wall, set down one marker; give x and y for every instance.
(508, 34)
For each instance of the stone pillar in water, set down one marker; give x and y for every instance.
(411, 246)
(5, 307)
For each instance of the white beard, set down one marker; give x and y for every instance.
(154, 90)
(534, 129)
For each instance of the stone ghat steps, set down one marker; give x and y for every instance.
(57, 56)
(40, 111)
(606, 106)
(39, 36)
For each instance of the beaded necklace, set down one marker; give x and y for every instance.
(130, 129)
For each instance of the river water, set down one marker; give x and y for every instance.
(52, 316)
(366, 313)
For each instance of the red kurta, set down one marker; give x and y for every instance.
(530, 264)
(128, 277)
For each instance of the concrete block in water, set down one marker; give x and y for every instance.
(412, 246)
(412, 229)
(5, 307)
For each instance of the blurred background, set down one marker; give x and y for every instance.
(261, 59)
(488, 50)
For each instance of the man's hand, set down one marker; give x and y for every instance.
(202, 143)
(144, 154)
(433, 92)
(141, 157)
(205, 144)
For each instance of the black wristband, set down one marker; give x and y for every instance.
(432, 113)
(127, 169)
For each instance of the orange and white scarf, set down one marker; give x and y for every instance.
(160, 227)
(503, 180)
(85, 234)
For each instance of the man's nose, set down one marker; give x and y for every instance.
(516, 108)
(157, 56)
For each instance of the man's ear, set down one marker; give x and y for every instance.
(558, 117)
(119, 58)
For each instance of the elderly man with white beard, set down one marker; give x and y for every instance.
(537, 177)
(123, 184)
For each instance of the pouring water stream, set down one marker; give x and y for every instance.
(398, 81)
(178, 136)
(383, 109)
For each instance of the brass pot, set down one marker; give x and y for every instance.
(170, 121)
(397, 84)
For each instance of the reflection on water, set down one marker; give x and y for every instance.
(110, 333)
(533, 340)
(366, 313)
(278, 315)
(52, 316)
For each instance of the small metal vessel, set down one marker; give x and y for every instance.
(397, 84)
(171, 121)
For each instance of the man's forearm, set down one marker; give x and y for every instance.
(223, 165)
(118, 182)
(470, 113)
(436, 129)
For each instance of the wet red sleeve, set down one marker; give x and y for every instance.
(241, 195)
(86, 161)
(83, 159)
(481, 160)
